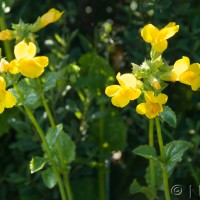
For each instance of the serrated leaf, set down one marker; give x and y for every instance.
(137, 188)
(174, 152)
(168, 116)
(49, 178)
(146, 151)
(37, 163)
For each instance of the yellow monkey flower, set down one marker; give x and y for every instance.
(25, 63)
(184, 72)
(153, 105)
(158, 38)
(7, 99)
(191, 76)
(51, 16)
(126, 91)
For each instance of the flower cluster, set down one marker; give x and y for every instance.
(25, 62)
(148, 80)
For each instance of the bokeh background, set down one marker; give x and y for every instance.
(92, 42)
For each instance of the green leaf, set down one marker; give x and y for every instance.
(95, 73)
(174, 152)
(168, 116)
(52, 135)
(65, 149)
(37, 163)
(50, 80)
(49, 178)
(146, 151)
(135, 187)
(61, 146)
(115, 137)
(32, 99)
(28, 93)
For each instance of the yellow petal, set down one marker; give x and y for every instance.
(43, 61)
(187, 77)
(14, 67)
(126, 80)
(149, 33)
(4, 65)
(2, 84)
(195, 67)
(24, 50)
(196, 83)
(51, 16)
(162, 98)
(141, 108)
(9, 100)
(149, 97)
(132, 94)
(30, 69)
(1, 108)
(181, 66)
(160, 45)
(120, 100)
(112, 90)
(169, 30)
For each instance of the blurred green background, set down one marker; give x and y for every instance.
(87, 47)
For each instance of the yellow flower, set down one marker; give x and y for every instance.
(26, 63)
(153, 105)
(7, 99)
(191, 76)
(184, 72)
(51, 16)
(179, 67)
(158, 38)
(6, 35)
(125, 92)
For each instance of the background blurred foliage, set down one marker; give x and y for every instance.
(91, 43)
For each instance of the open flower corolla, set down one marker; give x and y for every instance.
(158, 38)
(153, 105)
(126, 91)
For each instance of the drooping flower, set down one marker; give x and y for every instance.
(51, 16)
(25, 63)
(153, 105)
(7, 99)
(126, 91)
(158, 38)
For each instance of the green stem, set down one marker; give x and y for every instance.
(151, 163)
(46, 147)
(102, 172)
(162, 152)
(49, 114)
(46, 107)
(7, 46)
(68, 187)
